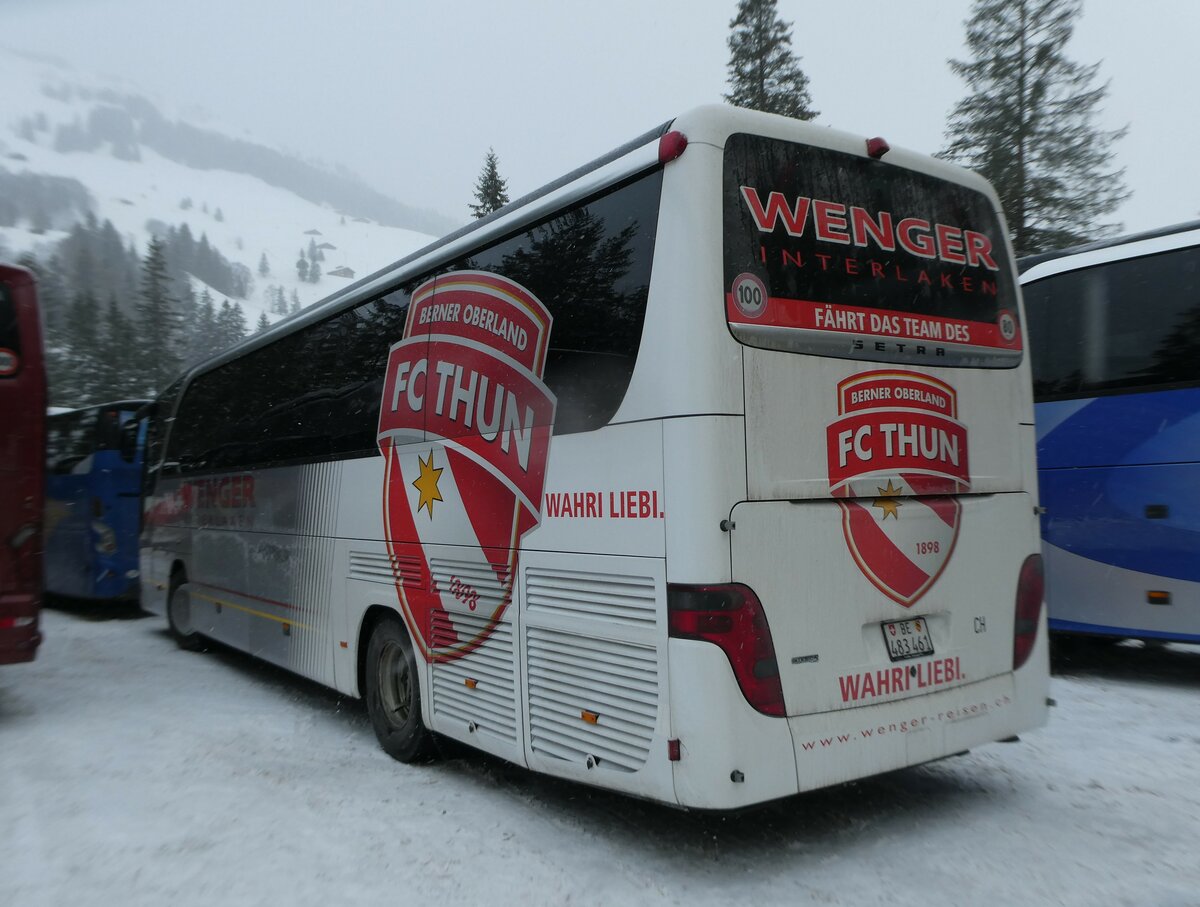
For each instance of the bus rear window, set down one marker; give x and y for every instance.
(835, 254)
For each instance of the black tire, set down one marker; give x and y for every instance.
(393, 694)
(179, 615)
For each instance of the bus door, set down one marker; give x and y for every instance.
(888, 424)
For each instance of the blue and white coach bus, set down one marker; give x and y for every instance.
(1115, 341)
(705, 474)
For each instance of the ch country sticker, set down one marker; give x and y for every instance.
(9, 362)
(464, 429)
(897, 457)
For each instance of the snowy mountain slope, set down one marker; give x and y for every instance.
(243, 217)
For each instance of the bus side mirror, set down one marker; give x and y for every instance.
(129, 440)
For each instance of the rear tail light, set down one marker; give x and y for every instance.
(1030, 589)
(732, 617)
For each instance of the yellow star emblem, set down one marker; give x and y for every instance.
(887, 500)
(427, 484)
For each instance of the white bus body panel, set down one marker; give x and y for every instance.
(1097, 596)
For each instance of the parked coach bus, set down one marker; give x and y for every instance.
(1115, 341)
(93, 501)
(705, 474)
(22, 446)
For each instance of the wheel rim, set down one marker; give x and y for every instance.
(395, 684)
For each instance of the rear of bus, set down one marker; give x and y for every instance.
(93, 501)
(22, 445)
(854, 583)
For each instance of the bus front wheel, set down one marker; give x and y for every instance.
(393, 694)
(179, 615)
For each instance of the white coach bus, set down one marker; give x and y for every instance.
(704, 474)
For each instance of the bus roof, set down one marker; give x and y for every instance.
(114, 404)
(633, 157)
(1029, 261)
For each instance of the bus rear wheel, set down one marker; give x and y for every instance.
(393, 694)
(179, 615)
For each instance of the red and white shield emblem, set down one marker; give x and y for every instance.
(464, 429)
(897, 458)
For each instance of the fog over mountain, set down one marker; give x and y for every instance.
(71, 145)
(91, 173)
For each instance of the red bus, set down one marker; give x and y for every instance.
(22, 465)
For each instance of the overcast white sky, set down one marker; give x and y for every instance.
(410, 96)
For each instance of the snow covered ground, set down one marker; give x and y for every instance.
(135, 773)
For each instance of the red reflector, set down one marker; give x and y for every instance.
(673, 750)
(670, 146)
(878, 147)
(1030, 587)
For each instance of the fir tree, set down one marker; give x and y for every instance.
(263, 323)
(302, 266)
(491, 192)
(763, 72)
(1029, 124)
(82, 380)
(157, 324)
(264, 269)
(205, 340)
(116, 353)
(231, 324)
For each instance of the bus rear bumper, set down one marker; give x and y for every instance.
(844, 745)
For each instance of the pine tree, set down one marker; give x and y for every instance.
(491, 192)
(763, 72)
(83, 380)
(264, 269)
(157, 325)
(116, 352)
(224, 329)
(1029, 124)
(263, 323)
(238, 322)
(205, 341)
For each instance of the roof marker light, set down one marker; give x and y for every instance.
(670, 146)
(877, 147)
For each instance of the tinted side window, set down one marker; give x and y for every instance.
(315, 394)
(308, 396)
(1126, 324)
(590, 266)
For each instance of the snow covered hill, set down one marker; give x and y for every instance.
(143, 191)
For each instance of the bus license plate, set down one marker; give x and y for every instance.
(907, 638)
